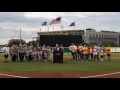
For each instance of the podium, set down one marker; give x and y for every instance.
(57, 56)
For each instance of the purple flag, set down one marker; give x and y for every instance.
(72, 24)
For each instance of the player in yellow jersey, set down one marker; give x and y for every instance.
(102, 54)
(108, 49)
(85, 52)
(74, 51)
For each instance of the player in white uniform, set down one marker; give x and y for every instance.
(6, 52)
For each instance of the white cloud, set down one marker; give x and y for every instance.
(41, 15)
(30, 22)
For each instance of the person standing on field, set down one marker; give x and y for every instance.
(70, 48)
(48, 52)
(80, 51)
(85, 52)
(74, 51)
(104, 51)
(6, 52)
(13, 53)
(109, 52)
(91, 53)
(95, 53)
(102, 54)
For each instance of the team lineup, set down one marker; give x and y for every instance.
(42, 53)
(85, 53)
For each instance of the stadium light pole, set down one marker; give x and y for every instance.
(20, 35)
(35, 40)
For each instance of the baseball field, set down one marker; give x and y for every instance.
(68, 69)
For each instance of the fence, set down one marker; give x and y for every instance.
(1, 49)
(113, 49)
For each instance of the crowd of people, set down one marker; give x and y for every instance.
(29, 53)
(42, 53)
(84, 52)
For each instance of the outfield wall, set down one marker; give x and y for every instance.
(1, 49)
(113, 49)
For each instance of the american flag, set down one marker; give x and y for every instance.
(55, 21)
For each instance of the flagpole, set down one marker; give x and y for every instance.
(74, 26)
(53, 28)
(20, 36)
(40, 29)
(48, 28)
(61, 24)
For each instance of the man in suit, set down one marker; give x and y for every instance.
(57, 54)
(57, 48)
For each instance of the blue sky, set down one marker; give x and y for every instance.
(30, 22)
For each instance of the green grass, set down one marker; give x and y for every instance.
(66, 66)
